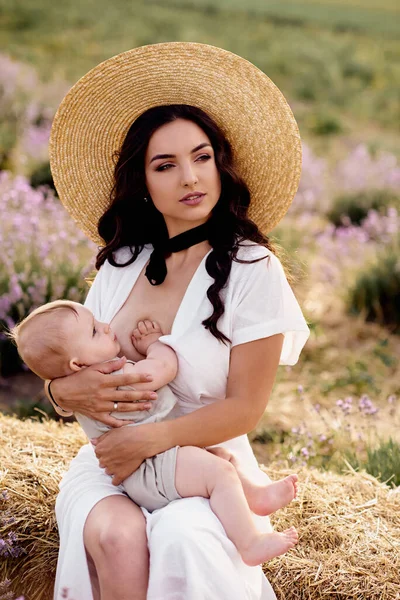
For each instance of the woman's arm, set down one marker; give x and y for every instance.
(251, 377)
(92, 392)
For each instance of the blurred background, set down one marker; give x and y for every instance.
(337, 63)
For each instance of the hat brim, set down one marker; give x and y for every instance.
(93, 119)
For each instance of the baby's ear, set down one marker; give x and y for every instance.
(74, 365)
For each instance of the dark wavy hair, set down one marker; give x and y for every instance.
(129, 221)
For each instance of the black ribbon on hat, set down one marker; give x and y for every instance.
(156, 270)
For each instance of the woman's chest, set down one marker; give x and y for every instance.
(155, 303)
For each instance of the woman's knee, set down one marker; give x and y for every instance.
(115, 525)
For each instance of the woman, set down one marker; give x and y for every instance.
(179, 248)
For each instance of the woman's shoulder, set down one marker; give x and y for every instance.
(258, 262)
(249, 250)
(255, 257)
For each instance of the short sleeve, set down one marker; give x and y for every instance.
(264, 305)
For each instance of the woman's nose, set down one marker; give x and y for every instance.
(189, 176)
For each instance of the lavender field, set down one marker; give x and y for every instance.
(339, 241)
(337, 63)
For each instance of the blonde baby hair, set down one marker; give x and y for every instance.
(42, 339)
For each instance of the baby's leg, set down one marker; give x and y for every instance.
(199, 473)
(263, 499)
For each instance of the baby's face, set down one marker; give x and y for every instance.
(92, 341)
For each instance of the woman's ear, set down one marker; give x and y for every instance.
(74, 365)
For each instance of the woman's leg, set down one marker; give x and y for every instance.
(94, 579)
(193, 559)
(115, 539)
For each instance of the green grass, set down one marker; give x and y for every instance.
(334, 454)
(337, 81)
(382, 462)
(370, 15)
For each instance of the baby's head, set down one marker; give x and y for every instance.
(61, 337)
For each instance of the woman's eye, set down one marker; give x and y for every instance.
(163, 167)
(203, 158)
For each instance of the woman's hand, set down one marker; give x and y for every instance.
(122, 451)
(92, 392)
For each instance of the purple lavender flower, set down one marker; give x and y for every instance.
(360, 171)
(311, 195)
(39, 264)
(345, 405)
(9, 547)
(366, 405)
(5, 592)
(304, 451)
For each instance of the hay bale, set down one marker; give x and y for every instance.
(349, 524)
(349, 545)
(33, 457)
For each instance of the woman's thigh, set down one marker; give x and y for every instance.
(115, 538)
(192, 558)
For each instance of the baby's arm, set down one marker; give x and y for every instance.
(161, 363)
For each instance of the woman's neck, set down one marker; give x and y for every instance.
(175, 228)
(192, 254)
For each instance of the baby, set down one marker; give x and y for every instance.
(62, 337)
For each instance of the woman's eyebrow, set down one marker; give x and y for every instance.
(199, 147)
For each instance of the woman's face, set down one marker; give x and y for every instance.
(180, 161)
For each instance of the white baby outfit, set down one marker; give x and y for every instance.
(191, 557)
(152, 485)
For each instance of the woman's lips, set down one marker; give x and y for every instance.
(193, 201)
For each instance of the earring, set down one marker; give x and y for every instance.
(145, 199)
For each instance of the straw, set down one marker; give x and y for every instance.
(348, 524)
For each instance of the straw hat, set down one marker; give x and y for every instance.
(96, 114)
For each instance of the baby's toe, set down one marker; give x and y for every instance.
(292, 534)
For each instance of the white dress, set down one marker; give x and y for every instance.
(191, 557)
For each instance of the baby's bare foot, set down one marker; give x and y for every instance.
(269, 545)
(146, 333)
(266, 500)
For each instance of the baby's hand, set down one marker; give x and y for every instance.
(146, 333)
